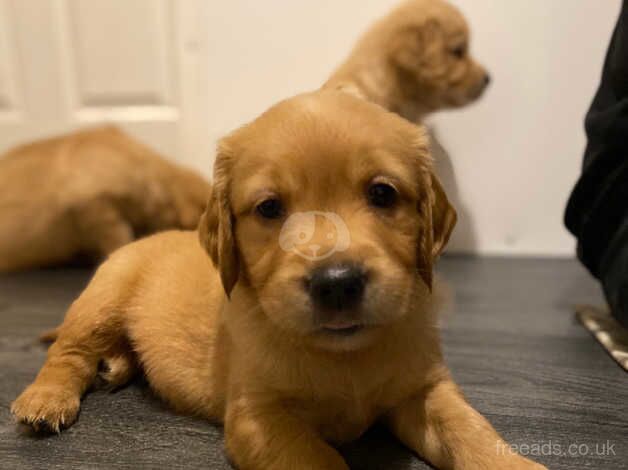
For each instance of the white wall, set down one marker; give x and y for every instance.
(516, 154)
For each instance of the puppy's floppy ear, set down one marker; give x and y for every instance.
(216, 228)
(408, 46)
(439, 219)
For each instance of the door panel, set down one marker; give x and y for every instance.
(81, 63)
(118, 62)
(9, 95)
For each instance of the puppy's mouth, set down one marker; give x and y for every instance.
(477, 93)
(342, 328)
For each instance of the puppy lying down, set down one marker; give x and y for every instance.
(86, 194)
(293, 339)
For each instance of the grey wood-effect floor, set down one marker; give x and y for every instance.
(511, 341)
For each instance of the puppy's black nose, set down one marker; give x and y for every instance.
(337, 287)
(487, 80)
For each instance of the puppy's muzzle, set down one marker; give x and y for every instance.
(337, 287)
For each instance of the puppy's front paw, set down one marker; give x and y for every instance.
(46, 408)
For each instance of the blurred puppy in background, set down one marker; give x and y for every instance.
(293, 350)
(86, 194)
(414, 61)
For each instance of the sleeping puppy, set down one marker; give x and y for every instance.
(86, 194)
(293, 339)
(414, 61)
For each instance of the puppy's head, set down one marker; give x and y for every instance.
(325, 210)
(428, 49)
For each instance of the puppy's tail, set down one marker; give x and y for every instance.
(50, 336)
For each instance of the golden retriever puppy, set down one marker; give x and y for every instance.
(414, 61)
(294, 339)
(88, 193)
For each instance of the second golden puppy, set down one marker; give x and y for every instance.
(293, 339)
(414, 61)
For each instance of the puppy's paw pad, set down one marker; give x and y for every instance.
(46, 408)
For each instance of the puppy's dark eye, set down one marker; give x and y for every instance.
(270, 209)
(460, 51)
(382, 195)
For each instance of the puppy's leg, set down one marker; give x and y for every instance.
(263, 437)
(52, 401)
(443, 428)
(92, 331)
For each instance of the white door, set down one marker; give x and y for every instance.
(66, 64)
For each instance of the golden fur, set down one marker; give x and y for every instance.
(87, 194)
(414, 61)
(234, 336)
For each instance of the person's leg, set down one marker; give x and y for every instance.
(598, 206)
(614, 275)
